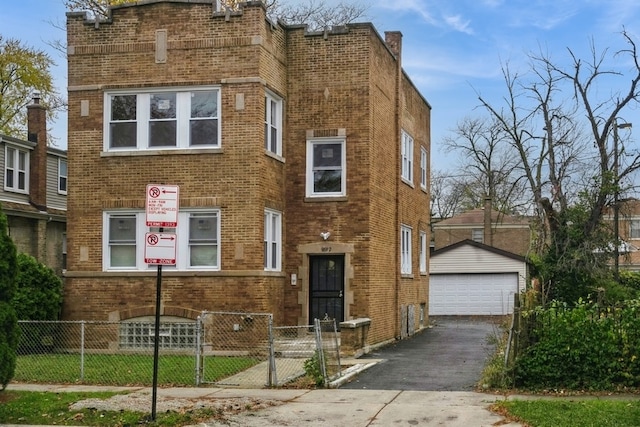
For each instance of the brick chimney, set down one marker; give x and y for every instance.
(393, 39)
(37, 132)
(488, 235)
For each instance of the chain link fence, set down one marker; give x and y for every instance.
(224, 349)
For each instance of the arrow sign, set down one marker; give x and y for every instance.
(160, 248)
(162, 205)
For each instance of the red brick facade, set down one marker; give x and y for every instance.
(345, 84)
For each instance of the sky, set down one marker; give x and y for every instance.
(453, 50)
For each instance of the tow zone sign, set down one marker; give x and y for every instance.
(160, 248)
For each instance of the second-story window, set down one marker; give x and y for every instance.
(273, 124)
(407, 157)
(423, 168)
(326, 168)
(62, 176)
(162, 119)
(16, 170)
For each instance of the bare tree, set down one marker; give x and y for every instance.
(447, 194)
(490, 170)
(560, 128)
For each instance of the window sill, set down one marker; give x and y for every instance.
(326, 199)
(409, 183)
(406, 276)
(274, 156)
(166, 152)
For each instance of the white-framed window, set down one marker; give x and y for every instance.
(634, 229)
(162, 119)
(197, 240)
(273, 124)
(16, 170)
(326, 168)
(62, 176)
(477, 235)
(407, 157)
(423, 252)
(405, 249)
(423, 168)
(272, 240)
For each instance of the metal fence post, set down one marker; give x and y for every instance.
(199, 350)
(82, 350)
(319, 349)
(272, 375)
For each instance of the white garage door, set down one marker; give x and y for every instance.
(472, 294)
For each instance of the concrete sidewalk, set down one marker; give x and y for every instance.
(315, 408)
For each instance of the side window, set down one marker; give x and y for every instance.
(407, 157)
(423, 252)
(405, 250)
(16, 170)
(62, 176)
(423, 168)
(326, 167)
(272, 240)
(273, 124)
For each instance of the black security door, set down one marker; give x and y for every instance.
(326, 287)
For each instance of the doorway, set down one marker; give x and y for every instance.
(326, 287)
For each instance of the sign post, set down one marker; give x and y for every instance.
(160, 248)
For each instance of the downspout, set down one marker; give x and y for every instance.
(393, 40)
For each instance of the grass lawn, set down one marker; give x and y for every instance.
(123, 369)
(571, 413)
(25, 407)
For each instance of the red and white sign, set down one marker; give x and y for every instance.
(160, 248)
(162, 205)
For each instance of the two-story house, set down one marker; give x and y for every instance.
(34, 191)
(301, 159)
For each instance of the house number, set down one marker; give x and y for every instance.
(326, 249)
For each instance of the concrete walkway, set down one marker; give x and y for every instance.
(334, 407)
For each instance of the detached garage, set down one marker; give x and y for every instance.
(470, 278)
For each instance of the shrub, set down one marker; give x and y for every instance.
(585, 347)
(8, 320)
(39, 291)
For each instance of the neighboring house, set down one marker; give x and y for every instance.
(34, 191)
(628, 232)
(302, 161)
(507, 232)
(471, 278)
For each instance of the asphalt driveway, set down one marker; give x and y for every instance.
(448, 356)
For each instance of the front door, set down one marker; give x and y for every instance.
(326, 287)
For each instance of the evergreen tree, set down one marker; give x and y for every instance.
(9, 332)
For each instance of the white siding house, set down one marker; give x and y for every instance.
(470, 278)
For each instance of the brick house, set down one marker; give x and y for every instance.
(34, 191)
(507, 232)
(629, 233)
(301, 160)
